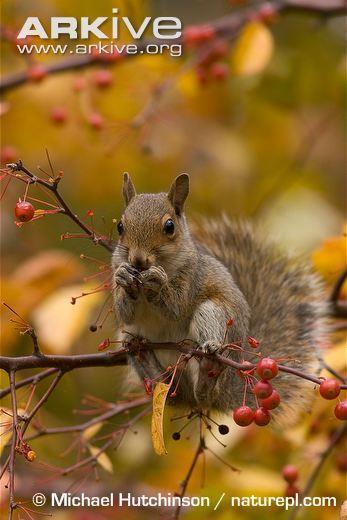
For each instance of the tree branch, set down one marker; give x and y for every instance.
(120, 357)
(226, 27)
(32, 380)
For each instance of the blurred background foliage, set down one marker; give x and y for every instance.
(268, 145)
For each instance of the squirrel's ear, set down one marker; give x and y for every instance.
(179, 192)
(128, 188)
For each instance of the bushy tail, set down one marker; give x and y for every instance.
(286, 300)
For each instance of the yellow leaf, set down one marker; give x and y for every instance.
(102, 458)
(159, 398)
(47, 270)
(330, 260)
(253, 49)
(91, 431)
(58, 323)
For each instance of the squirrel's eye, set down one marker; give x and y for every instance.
(169, 227)
(120, 227)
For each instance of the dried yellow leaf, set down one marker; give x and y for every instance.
(159, 398)
(91, 431)
(253, 50)
(102, 458)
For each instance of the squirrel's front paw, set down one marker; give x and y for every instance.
(127, 276)
(210, 347)
(153, 280)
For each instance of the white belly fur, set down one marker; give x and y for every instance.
(153, 325)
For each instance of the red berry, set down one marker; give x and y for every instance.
(341, 410)
(262, 416)
(8, 154)
(267, 368)
(103, 78)
(243, 415)
(197, 34)
(290, 473)
(254, 343)
(36, 73)
(267, 13)
(24, 211)
(272, 401)
(217, 49)
(219, 71)
(96, 120)
(59, 114)
(148, 385)
(202, 75)
(19, 43)
(79, 83)
(263, 389)
(329, 389)
(291, 491)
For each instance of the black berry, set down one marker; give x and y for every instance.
(223, 429)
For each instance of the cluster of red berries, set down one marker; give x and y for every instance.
(36, 73)
(290, 474)
(269, 398)
(330, 389)
(210, 51)
(102, 79)
(210, 66)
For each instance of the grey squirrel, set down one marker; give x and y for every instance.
(173, 282)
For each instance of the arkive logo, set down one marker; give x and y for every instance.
(162, 27)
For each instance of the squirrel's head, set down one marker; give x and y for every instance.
(152, 229)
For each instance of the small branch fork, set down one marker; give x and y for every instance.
(52, 185)
(20, 424)
(226, 27)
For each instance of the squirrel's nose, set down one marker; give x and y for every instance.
(140, 263)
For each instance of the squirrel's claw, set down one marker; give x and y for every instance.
(210, 347)
(126, 277)
(153, 280)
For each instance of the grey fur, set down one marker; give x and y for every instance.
(195, 281)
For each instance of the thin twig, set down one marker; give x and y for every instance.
(93, 458)
(339, 307)
(185, 481)
(66, 210)
(116, 409)
(335, 439)
(32, 380)
(15, 426)
(334, 372)
(225, 27)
